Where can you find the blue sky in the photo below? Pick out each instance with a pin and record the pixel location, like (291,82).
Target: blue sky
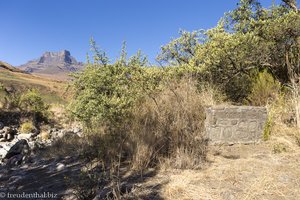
(31,27)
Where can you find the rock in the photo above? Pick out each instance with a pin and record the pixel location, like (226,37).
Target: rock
(9,133)
(10,136)
(15,160)
(77,130)
(3,152)
(53,130)
(32,144)
(7,129)
(60,167)
(53,63)
(21,147)
(35,132)
(24,136)
(61,134)
(1,125)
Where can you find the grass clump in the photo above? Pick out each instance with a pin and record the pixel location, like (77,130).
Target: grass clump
(279,148)
(27,127)
(170,128)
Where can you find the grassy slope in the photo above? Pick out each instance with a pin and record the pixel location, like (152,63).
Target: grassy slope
(52,90)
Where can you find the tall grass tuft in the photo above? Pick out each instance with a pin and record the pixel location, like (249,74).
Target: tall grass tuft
(170,128)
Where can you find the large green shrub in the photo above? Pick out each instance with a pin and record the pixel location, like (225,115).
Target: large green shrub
(106,93)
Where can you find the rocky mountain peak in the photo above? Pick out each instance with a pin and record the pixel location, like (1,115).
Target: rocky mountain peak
(53,63)
(61,57)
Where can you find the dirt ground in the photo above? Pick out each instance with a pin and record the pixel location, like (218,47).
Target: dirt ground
(269,170)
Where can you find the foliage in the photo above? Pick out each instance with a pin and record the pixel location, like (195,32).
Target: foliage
(32,101)
(11,97)
(45,135)
(265,89)
(27,127)
(107,92)
(268,128)
(227,60)
(279,148)
(243,18)
(155,113)
(180,50)
(247,40)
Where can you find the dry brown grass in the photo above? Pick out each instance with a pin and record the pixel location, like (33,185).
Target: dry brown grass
(169,128)
(257,174)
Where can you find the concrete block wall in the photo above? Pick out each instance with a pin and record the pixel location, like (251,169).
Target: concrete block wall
(235,124)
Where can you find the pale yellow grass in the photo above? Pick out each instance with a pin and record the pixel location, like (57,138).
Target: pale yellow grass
(240,172)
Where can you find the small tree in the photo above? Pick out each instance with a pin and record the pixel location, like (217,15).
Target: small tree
(106,92)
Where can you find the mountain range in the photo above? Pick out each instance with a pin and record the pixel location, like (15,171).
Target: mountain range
(57,65)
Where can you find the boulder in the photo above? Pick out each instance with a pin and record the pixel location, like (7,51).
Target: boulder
(15,160)
(7,129)
(3,152)
(8,133)
(10,136)
(25,136)
(5,147)
(19,148)
(60,167)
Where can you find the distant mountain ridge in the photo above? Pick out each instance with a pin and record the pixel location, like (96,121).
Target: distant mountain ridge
(58,64)
(6,66)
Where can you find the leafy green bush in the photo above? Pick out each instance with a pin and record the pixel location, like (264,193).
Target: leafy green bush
(106,93)
(32,102)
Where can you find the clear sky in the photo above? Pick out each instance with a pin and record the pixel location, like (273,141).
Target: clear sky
(30,27)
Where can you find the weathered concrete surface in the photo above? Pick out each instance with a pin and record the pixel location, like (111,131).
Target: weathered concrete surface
(235,124)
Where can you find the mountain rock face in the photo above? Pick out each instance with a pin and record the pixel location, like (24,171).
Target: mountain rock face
(58,64)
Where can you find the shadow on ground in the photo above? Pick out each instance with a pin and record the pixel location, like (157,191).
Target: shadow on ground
(48,177)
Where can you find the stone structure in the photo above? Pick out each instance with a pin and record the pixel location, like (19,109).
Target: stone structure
(235,124)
